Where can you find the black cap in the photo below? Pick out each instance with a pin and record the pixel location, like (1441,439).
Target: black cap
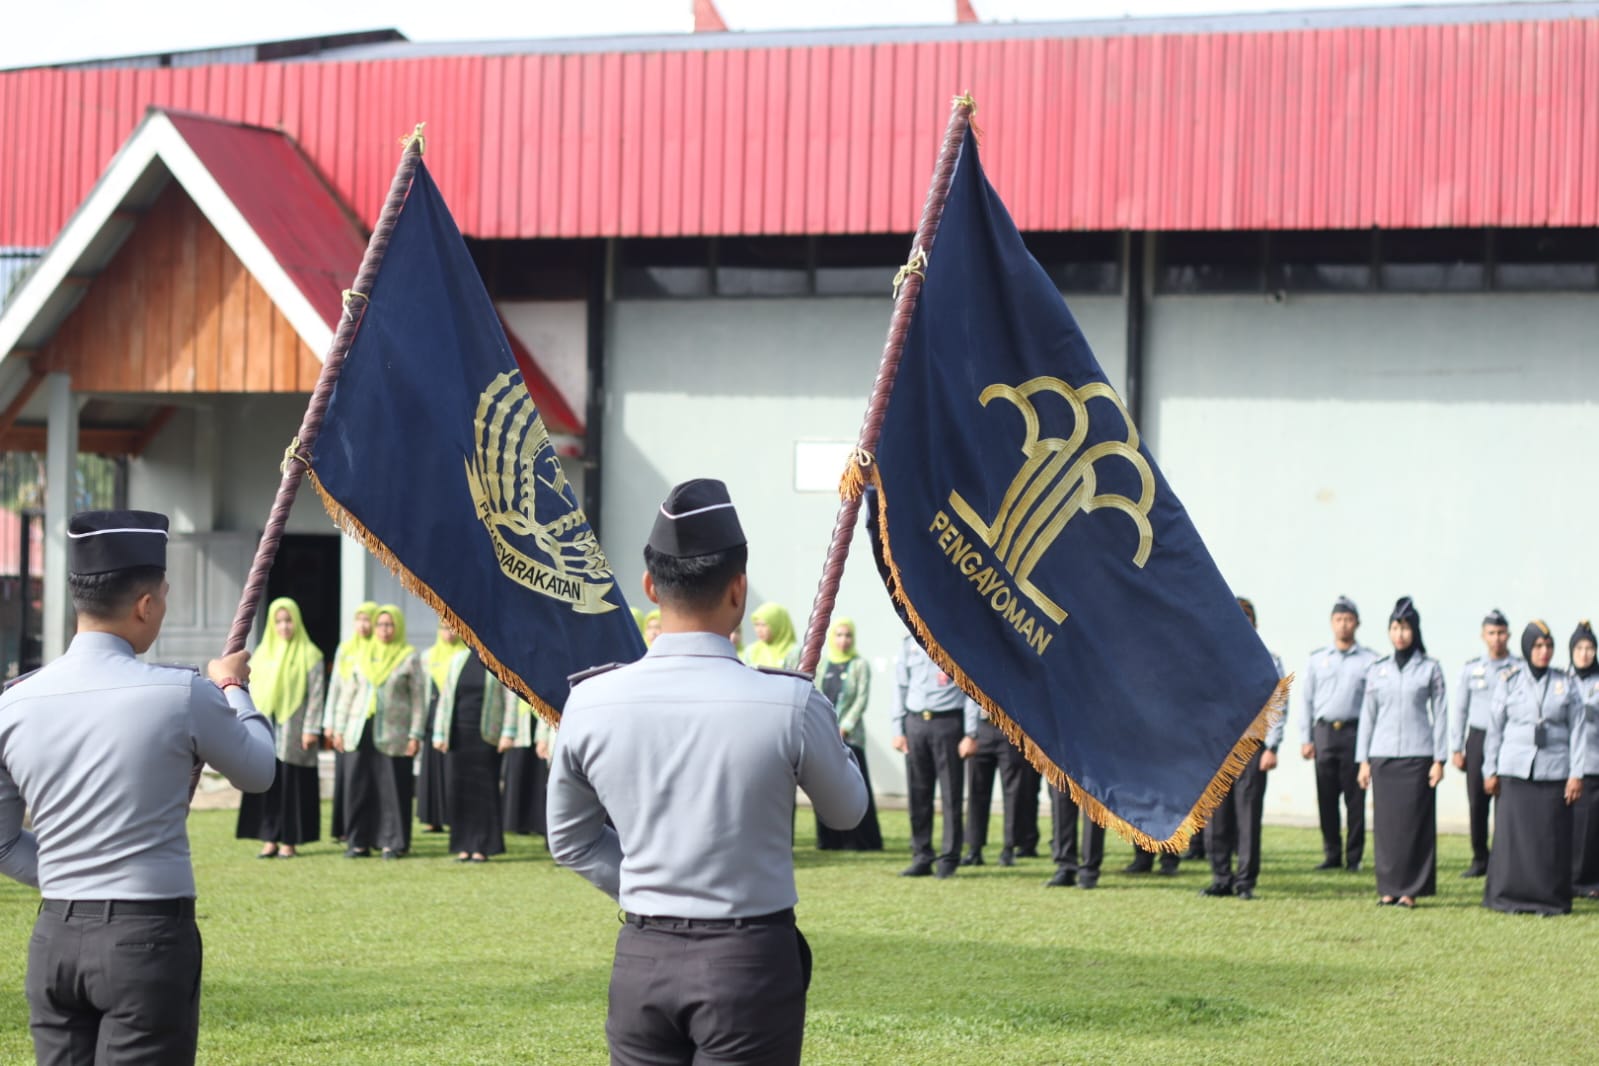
(1584,631)
(697,519)
(103,541)
(1496,617)
(1345,605)
(1405,611)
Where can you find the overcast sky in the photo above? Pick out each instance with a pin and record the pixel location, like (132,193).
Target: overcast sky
(55,31)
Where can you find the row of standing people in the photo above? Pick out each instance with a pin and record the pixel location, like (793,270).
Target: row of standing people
(1522,730)
(381,703)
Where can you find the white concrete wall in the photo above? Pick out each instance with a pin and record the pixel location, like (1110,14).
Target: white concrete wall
(1432,446)
(724,388)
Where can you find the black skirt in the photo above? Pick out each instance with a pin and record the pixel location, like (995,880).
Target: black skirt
(525,775)
(432,800)
(1529,868)
(472,788)
(1405,811)
(336,824)
(1585,839)
(868,836)
(290,812)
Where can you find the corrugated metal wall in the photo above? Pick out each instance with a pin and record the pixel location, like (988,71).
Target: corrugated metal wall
(1414,126)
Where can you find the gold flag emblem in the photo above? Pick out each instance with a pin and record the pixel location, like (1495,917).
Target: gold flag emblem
(541,537)
(1057,482)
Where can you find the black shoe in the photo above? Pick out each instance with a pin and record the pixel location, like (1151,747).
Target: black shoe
(1006,858)
(945,870)
(1329,864)
(1137,867)
(972,858)
(1088,880)
(1215,889)
(918,869)
(1353,867)
(433,829)
(1027,853)
(1476,869)
(357,853)
(389,855)
(1167,871)
(1064,878)
(1244,893)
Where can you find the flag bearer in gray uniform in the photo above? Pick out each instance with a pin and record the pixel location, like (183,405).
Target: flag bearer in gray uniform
(98,746)
(1469,725)
(935,727)
(1334,685)
(695,757)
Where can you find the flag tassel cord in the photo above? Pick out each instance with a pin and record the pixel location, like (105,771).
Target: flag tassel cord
(856,478)
(907,285)
(356,529)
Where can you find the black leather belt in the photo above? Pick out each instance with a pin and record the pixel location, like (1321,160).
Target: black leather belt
(106,908)
(1339,723)
(658,921)
(928,716)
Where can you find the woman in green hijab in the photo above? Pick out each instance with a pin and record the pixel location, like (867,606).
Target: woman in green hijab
(345,657)
(380,726)
(774,637)
(652,626)
(432,809)
(286,683)
(846,680)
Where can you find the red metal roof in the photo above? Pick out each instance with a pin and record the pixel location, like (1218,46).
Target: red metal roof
(285,202)
(1393,126)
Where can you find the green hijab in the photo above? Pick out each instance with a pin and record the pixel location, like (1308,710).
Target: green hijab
(280,670)
(833,654)
(779,637)
(438,658)
(383,659)
(638,619)
(353,651)
(653,616)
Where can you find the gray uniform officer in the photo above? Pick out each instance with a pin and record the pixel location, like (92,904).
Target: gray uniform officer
(695,757)
(935,726)
(98,746)
(1334,685)
(1468,726)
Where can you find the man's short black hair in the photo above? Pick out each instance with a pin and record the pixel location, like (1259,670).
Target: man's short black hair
(113,594)
(695,581)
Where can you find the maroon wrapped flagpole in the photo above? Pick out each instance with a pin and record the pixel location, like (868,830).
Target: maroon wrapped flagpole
(297,458)
(908,285)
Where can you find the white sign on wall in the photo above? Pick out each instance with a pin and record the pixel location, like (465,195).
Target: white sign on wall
(818,464)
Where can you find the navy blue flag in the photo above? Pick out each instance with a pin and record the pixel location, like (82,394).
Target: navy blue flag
(1035,550)
(434,455)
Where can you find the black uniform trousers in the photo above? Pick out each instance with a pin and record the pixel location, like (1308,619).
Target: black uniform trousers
(1337,777)
(706,992)
(1018,787)
(1234,827)
(114,989)
(1477,800)
(934,759)
(1084,862)
(378,791)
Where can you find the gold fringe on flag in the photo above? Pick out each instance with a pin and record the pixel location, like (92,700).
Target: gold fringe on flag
(352,525)
(1236,762)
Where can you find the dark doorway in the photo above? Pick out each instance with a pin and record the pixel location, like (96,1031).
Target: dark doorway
(307,571)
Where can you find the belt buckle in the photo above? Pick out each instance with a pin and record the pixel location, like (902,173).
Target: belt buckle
(927,716)
(1337,725)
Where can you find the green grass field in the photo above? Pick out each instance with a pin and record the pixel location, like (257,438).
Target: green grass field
(325,960)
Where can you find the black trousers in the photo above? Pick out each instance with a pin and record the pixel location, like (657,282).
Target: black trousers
(934,758)
(1018,788)
(1064,837)
(1234,828)
(1337,777)
(378,790)
(114,990)
(689,995)
(1477,801)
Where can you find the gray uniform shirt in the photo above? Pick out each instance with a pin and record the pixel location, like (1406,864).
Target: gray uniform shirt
(1274,733)
(99,747)
(1588,691)
(1475,696)
(1404,714)
(695,757)
(917,677)
(1520,702)
(1335,683)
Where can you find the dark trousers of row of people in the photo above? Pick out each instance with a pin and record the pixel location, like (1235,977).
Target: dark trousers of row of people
(997,756)
(378,792)
(1338,780)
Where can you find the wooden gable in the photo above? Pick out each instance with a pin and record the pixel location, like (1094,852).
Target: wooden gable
(175,311)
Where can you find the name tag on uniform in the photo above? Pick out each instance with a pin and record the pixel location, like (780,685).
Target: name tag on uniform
(1382,671)
(1479,672)
(1560,688)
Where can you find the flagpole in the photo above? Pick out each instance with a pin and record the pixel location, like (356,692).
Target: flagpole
(297,458)
(908,285)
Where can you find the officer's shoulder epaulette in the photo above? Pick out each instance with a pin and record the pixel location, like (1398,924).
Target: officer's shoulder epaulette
(780,672)
(1384,659)
(1474,660)
(19,679)
(593,671)
(1510,670)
